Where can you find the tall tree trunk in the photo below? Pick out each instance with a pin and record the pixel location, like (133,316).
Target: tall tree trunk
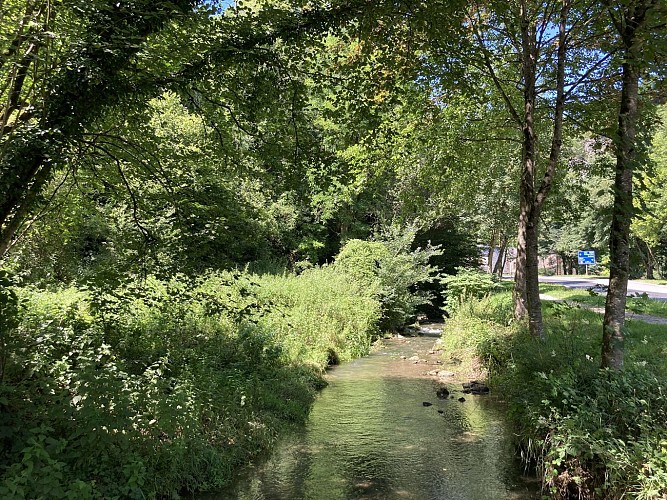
(619,245)
(519,294)
(502,252)
(531,20)
(524,257)
(628,22)
(535,323)
(531,202)
(646,256)
(650,262)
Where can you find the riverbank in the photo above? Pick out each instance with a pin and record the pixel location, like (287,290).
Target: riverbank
(166,386)
(590,433)
(145,387)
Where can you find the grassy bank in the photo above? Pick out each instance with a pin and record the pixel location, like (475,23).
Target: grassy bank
(157,387)
(591,433)
(638,304)
(654,281)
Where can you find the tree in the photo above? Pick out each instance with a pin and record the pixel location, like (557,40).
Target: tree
(635,22)
(650,225)
(64,64)
(245,37)
(577,216)
(538,37)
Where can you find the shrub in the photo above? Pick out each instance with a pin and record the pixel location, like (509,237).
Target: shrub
(592,433)
(468,284)
(159,400)
(320,316)
(601,436)
(390,270)
(483,329)
(160,386)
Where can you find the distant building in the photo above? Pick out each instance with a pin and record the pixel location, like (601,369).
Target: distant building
(551,264)
(508,262)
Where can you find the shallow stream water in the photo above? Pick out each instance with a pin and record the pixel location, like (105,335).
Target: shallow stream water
(370,436)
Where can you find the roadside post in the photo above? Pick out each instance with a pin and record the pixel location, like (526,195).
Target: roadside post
(586,257)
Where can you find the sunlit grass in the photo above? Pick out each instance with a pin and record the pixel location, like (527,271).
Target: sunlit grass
(646,345)
(570,417)
(653,282)
(638,305)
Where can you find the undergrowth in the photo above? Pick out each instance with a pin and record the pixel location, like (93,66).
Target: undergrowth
(591,433)
(159,387)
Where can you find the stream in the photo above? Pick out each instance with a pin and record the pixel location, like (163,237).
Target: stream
(371,436)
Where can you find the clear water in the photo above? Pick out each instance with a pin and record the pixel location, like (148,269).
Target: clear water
(369,436)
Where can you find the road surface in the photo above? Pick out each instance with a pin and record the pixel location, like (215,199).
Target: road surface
(658,292)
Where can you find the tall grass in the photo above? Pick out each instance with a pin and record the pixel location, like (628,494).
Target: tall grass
(163,386)
(591,433)
(320,316)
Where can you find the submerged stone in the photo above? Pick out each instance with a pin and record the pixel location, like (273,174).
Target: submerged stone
(442,393)
(475,387)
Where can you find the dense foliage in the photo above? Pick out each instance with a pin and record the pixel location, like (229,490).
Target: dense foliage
(347,155)
(467,284)
(156,387)
(591,433)
(391,271)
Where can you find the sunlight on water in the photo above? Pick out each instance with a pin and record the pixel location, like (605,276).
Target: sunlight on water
(369,436)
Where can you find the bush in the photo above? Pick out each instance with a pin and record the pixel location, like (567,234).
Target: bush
(362,260)
(160,386)
(320,316)
(390,270)
(468,284)
(458,248)
(604,436)
(592,433)
(483,330)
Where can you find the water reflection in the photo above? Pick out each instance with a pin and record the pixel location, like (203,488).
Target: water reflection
(370,437)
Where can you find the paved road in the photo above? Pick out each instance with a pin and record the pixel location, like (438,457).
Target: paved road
(658,292)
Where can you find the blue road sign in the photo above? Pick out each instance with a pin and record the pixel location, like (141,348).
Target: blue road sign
(586,257)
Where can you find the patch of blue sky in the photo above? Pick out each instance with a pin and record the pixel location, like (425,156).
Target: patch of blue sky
(217,6)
